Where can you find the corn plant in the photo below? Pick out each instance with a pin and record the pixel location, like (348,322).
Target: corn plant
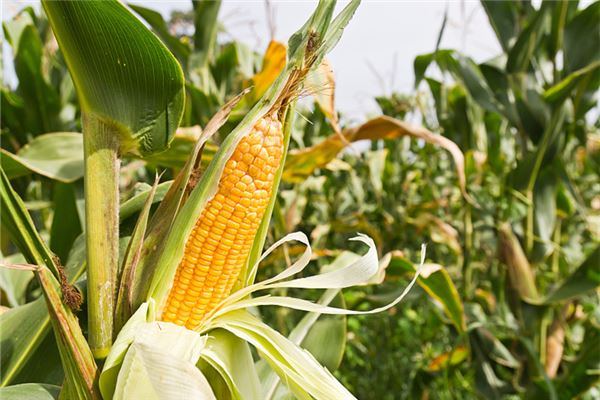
(170,320)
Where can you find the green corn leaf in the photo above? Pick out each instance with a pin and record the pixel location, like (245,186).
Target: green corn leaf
(521,53)
(581,39)
(123,73)
(76,356)
(21,230)
(136,203)
(563,89)
(26,326)
(23,329)
(156,21)
(205,32)
(436,281)
(30,391)
(66,225)
(56,156)
(40,101)
(585,278)
(505,18)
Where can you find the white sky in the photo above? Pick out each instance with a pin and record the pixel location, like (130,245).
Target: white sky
(377,49)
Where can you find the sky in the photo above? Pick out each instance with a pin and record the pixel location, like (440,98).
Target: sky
(375,55)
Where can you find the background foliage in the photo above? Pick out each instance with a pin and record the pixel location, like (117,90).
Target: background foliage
(509,306)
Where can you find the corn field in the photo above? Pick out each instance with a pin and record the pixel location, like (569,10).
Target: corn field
(186,217)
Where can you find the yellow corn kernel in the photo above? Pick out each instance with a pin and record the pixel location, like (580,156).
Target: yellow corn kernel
(218,246)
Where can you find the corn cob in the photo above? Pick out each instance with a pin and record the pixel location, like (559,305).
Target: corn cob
(218,246)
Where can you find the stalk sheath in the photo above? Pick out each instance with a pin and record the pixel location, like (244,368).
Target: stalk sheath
(101,146)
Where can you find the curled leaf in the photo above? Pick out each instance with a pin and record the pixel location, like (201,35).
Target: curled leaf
(301,163)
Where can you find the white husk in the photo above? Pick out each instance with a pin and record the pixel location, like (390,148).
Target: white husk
(157,360)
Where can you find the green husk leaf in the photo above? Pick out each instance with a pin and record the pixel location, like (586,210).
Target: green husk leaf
(114,360)
(129,271)
(311,34)
(154,360)
(295,366)
(231,358)
(163,219)
(160,364)
(519,270)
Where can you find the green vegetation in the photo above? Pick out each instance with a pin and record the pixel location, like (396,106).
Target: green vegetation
(498,173)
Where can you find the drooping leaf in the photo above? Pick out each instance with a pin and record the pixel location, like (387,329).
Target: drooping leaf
(301,163)
(54,155)
(109,51)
